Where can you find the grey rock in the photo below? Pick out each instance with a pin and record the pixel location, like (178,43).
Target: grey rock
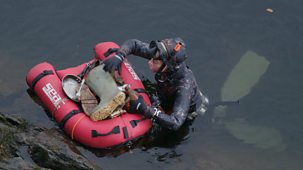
(51,149)
(17,163)
(24,146)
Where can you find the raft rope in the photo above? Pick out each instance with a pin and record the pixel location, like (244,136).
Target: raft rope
(73,129)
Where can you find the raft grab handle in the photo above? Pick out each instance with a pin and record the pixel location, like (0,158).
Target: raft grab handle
(115,130)
(134,123)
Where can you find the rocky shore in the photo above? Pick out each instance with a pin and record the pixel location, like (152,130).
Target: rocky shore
(24,146)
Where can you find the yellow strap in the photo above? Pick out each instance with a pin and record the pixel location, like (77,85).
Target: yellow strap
(76,125)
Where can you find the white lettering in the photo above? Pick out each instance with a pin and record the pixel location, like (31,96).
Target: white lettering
(52,94)
(131,70)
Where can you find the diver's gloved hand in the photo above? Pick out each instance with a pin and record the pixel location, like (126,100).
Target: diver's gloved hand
(113,63)
(139,106)
(155,100)
(110,51)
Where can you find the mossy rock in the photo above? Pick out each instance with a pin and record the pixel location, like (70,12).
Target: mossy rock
(13,121)
(9,126)
(6,142)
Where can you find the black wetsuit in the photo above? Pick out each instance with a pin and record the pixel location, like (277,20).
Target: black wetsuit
(178,92)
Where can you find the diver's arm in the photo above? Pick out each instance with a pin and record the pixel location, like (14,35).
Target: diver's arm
(132,46)
(180,110)
(173,121)
(136,47)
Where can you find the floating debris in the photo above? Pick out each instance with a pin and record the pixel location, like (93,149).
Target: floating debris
(269,10)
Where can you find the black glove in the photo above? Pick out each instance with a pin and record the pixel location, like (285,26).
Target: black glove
(110,51)
(139,106)
(113,63)
(155,100)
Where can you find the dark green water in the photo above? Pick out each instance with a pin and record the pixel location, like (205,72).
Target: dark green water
(263,132)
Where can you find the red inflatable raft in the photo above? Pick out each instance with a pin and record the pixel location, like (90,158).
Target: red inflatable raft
(45,81)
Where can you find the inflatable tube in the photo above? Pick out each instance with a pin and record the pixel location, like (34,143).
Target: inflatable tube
(45,81)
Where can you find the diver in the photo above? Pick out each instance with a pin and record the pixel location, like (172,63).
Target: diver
(179,95)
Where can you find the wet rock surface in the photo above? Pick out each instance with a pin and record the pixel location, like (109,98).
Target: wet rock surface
(24,146)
